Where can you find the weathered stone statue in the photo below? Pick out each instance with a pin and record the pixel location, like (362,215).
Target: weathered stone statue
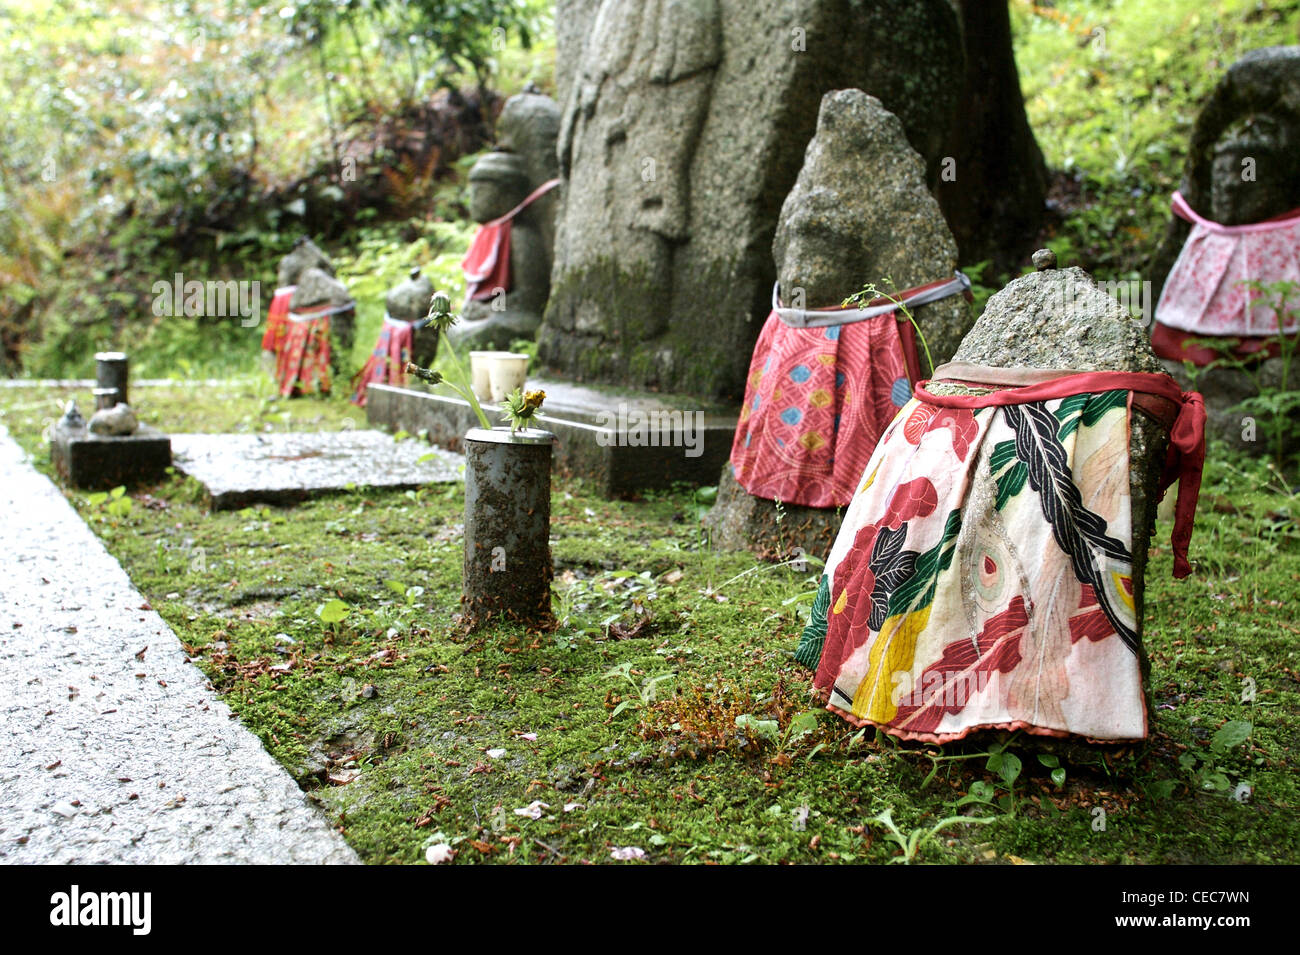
(1231,224)
(403,337)
(818,398)
(989,574)
(508,266)
(683,129)
(319,291)
(529,127)
(304,255)
(112,448)
(307,294)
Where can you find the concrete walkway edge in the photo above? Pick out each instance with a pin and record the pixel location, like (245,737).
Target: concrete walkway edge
(110,757)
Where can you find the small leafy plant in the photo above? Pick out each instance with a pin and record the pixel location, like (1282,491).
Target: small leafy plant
(912,841)
(646,692)
(1206,771)
(112,504)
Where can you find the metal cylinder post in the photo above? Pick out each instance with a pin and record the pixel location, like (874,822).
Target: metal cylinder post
(111,371)
(507,568)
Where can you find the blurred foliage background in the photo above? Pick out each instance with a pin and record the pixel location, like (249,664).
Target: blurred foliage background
(144,138)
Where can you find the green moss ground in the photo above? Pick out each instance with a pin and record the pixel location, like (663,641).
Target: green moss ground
(408,763)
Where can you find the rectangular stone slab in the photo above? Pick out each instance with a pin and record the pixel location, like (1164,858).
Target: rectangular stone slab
(95,461)
(280,468)
(622,442)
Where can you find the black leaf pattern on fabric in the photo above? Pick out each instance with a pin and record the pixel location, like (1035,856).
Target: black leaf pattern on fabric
(891,566)
(1078,531)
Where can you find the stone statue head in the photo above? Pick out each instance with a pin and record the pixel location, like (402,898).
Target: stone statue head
(409,300)
(1256,171)
(304,255)
(860,210)
(497,183)
(1243,164)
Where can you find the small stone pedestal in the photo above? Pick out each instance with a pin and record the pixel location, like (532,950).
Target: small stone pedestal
(97,462)
(507,567)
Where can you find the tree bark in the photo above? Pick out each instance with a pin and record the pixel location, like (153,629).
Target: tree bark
(993,180)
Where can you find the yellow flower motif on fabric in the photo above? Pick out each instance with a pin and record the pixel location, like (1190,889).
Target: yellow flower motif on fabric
(755,378)
(1123,586)
(811,440)
(841,602)
(871,479)
(826,358)
(776,394)
(893,651)
(819,398)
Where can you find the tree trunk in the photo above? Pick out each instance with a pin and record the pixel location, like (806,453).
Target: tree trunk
(992,181)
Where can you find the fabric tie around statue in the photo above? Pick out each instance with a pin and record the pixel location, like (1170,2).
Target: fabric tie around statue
(487,263)
(277,320)
(1207,294)
(823,385)
(387,363)
(304,360)
(982,578)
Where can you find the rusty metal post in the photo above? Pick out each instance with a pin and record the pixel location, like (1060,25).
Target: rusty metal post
(507,569)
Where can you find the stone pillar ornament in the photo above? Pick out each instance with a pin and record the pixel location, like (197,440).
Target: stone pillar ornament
(507,564)
(112,368)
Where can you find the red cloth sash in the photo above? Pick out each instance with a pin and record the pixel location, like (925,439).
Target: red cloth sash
(816,402)
(387,363)
(487,263)
(304,359)
(1186,410)
(277,317)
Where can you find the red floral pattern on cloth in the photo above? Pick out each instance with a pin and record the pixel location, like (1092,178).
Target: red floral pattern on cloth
(277,320)
(304,360)
(816,403)
(982,576)
(1205,295)
(387,363)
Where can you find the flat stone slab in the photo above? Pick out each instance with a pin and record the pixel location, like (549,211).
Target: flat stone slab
(117,749)
(620,441)
(239,469)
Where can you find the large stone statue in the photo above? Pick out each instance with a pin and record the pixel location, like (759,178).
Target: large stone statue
(818,398)
(683,129)
(508,305)
(1243,170)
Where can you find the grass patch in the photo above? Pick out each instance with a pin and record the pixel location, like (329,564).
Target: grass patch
(665,712)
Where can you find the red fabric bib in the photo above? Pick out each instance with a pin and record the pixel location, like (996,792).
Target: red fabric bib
(487,263)
(1205,295)
(387,363)
(816,402)
(277,317)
